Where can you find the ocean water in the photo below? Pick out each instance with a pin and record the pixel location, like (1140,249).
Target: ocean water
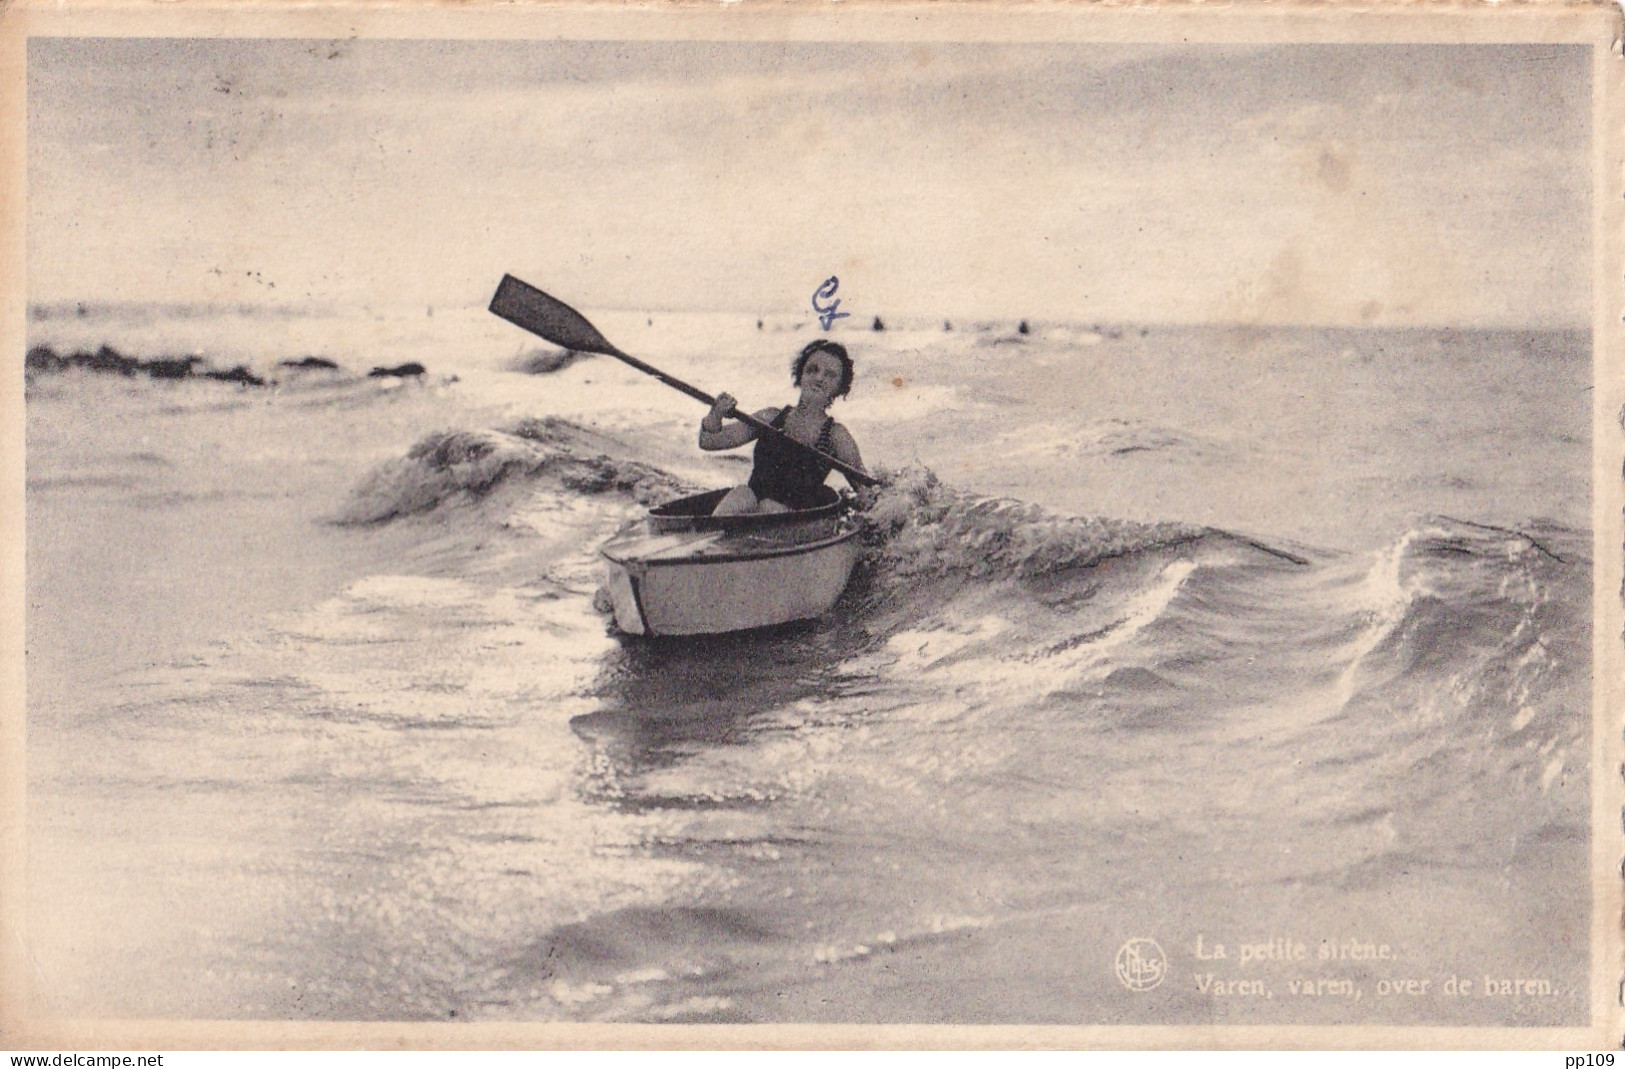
(1270,646)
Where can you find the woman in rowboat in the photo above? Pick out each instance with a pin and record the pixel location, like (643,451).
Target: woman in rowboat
(786,478)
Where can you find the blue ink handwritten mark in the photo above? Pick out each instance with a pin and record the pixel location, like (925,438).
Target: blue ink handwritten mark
(827,313)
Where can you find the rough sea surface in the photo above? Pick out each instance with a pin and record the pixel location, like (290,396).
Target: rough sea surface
(1269,646)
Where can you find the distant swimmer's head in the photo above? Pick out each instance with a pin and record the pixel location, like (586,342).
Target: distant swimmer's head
(823,351)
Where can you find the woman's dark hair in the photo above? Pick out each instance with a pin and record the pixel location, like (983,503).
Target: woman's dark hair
(833,348)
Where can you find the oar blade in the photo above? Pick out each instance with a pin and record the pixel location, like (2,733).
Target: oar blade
(548,318)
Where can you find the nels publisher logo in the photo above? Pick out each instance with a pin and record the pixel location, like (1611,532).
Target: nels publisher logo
(1141,964)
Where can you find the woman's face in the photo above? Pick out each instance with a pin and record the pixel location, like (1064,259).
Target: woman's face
(821,376)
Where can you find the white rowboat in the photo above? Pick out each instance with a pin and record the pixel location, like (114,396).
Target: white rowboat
(683,571)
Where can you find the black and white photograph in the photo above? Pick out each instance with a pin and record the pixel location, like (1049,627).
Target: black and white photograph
(768,517)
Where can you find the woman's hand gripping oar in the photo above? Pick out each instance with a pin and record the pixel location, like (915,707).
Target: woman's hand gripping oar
(554,321)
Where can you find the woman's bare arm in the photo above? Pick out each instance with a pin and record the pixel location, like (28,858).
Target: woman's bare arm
(846,450)
(714,434)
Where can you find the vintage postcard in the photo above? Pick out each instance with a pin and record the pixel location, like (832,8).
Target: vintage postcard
(816,524)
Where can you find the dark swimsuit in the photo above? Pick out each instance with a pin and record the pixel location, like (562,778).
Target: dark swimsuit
(789,474)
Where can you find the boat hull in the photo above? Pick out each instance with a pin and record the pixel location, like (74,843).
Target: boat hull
(716,577)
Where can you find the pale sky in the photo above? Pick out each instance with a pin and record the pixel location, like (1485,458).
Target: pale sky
(1391,185)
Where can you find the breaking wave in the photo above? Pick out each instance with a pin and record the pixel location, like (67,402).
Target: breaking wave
(1455,626)
(1488,633)
(452,466)
(923,526)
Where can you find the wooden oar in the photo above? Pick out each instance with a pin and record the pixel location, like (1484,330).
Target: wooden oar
(552,320)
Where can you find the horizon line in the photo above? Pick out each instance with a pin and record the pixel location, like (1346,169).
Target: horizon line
(53,306)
